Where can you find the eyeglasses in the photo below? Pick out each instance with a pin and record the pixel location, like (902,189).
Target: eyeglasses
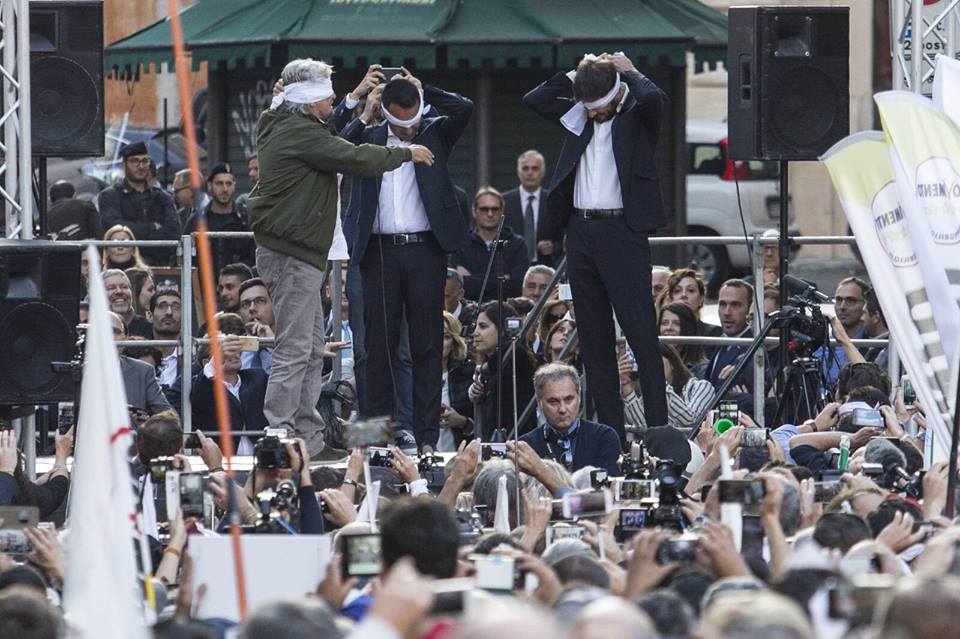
(168,306)
(257,301)
(847,301)
(139,161)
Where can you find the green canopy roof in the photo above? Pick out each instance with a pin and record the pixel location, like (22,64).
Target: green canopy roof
(431,34)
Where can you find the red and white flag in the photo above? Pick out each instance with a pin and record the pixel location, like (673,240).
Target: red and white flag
(101,594)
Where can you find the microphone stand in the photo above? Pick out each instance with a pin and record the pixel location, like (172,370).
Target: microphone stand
(516,426)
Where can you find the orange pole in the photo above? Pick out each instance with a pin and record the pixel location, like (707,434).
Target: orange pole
(209,298)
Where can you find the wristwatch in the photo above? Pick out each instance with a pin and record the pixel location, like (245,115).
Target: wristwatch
(349,482)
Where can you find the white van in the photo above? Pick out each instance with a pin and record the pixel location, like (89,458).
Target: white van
(712,208)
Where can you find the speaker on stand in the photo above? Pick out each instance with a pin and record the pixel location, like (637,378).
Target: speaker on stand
(788,92)
(66,84)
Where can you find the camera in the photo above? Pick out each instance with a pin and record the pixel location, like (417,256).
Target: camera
(470,526)
(748,492)
(13,541)
(680,549)
(728,410)
(637,489)
(754,438)
(490,451)
(866,417)
(431,468)
(563,530)
(192,487)
(824,491)
(631,521)
(586,504)
(634,464)
(599,479)
(361,555)
(377,431)
(379,457)
(497,573)
(669,476)
(512,326)
(269,451)
(159,467)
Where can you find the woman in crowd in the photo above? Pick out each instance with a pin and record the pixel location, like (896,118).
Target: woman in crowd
(483,390)
(687,397)
(143,288)
(552,312)
(557,338)
(687,286)
(677,320)
(122,257)
(456,408)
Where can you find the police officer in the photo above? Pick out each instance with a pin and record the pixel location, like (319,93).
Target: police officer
(147,210)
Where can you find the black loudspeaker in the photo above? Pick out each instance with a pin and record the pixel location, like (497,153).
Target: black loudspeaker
(788,93)
(39,311)
(66,77)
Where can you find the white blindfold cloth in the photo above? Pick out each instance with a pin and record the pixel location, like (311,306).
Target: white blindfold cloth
(395,121)
(305,92)
(575,119)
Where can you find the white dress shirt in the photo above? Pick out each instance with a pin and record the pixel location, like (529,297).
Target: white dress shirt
(169,367)
(401,207)
(597,184)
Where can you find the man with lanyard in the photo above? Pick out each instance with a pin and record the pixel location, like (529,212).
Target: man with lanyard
(406,222)
(563,435)
(606,194)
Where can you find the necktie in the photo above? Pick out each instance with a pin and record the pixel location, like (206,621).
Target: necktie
(257,361)
(529,231)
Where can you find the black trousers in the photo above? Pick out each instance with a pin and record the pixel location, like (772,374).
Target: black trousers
(608,264)
(396,280)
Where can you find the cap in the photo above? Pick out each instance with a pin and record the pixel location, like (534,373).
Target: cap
(218,169)
(134,148)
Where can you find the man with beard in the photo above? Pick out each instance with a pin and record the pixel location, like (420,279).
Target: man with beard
(165,311)
(256,309)
(120,297)
(147,210)
(228,286)
(223,215)
(849,303)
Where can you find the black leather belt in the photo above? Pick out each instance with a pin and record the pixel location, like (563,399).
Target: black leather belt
(402,239)
(595,214)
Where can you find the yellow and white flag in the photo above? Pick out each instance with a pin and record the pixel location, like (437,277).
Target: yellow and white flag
(862,174)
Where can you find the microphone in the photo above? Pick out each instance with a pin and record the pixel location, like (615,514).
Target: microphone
(796,286)
(881,451)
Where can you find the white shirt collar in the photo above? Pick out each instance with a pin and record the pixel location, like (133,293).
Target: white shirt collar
(525,194)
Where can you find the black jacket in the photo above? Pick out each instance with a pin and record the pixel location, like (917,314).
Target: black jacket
(141,212)
(514,206)
(475,257)
(226,250)
(485,409)
(593,445)
(439,134)
(459,379)
(245,413)
(635,131)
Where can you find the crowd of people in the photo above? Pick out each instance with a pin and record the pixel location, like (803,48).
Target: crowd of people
(586,484)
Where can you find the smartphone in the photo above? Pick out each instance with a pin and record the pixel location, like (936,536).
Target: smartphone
(599,478)
(379,457)
(389,72)
(249,344)
(491,451)
(728,410)
(13,521)
(926,526)
(361,555)
(754,438)
(191,488)
(636,489)
(857,600)
(496,573)
(909,395)
(704,492)
(191,440)
(450,595)
(634,519)
(680,549)
(377,431)
(824,491)
(751,540)
(586,504)
(867,417)
(564,530)
(748,492)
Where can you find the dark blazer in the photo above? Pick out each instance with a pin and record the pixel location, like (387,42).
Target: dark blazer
(485,409)
(246,413)
(475,256)
(594,445)
(459,379)
(635,130)
(439,134)
(513,208)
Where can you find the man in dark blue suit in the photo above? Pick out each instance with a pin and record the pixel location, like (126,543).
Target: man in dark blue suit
(526,205)
(406,222)
(606,194)
(564,436)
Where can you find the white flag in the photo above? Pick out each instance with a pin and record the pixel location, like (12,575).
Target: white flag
(501,516)
(101,593)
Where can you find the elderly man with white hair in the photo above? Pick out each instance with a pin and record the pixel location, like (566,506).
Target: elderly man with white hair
(293,210)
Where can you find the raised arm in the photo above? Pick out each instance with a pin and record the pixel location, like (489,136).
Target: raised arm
(553,98)
(457,110)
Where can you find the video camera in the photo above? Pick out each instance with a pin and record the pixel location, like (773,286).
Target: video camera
(270,452)
(272,503)
(431,468)
(669,476)
(808,329)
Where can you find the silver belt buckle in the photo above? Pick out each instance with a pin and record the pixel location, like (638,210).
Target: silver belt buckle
(401,239)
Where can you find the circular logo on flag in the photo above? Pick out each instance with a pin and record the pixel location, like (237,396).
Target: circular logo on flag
(891,227)
(938,191)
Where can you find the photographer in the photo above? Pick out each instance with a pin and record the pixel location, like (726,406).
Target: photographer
(49,491)
(484,390)
(687,397)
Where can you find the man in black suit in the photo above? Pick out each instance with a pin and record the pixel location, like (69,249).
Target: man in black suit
(526,205)
(733,306)
(606,195)
(565,437)
(407,221)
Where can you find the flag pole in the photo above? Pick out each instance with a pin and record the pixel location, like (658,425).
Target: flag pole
(209,298)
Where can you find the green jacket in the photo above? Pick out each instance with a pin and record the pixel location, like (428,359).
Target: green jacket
(293,207)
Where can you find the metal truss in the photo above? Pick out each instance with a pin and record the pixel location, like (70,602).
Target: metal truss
(16,169)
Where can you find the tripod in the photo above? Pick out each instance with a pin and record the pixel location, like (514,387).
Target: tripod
(800,395)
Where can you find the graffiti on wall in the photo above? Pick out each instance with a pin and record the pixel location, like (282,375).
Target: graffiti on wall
(251,101)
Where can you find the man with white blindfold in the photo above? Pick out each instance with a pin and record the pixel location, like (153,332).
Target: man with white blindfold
(293,210)
(407,222)
(606,194)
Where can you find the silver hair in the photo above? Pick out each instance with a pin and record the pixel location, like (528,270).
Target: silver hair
(303,70)
(531,153)
(110,272)
(486,484)
(538,268)
(554,373)
(453,274)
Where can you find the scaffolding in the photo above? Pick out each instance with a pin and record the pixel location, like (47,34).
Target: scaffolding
(16,170)
(937,35)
